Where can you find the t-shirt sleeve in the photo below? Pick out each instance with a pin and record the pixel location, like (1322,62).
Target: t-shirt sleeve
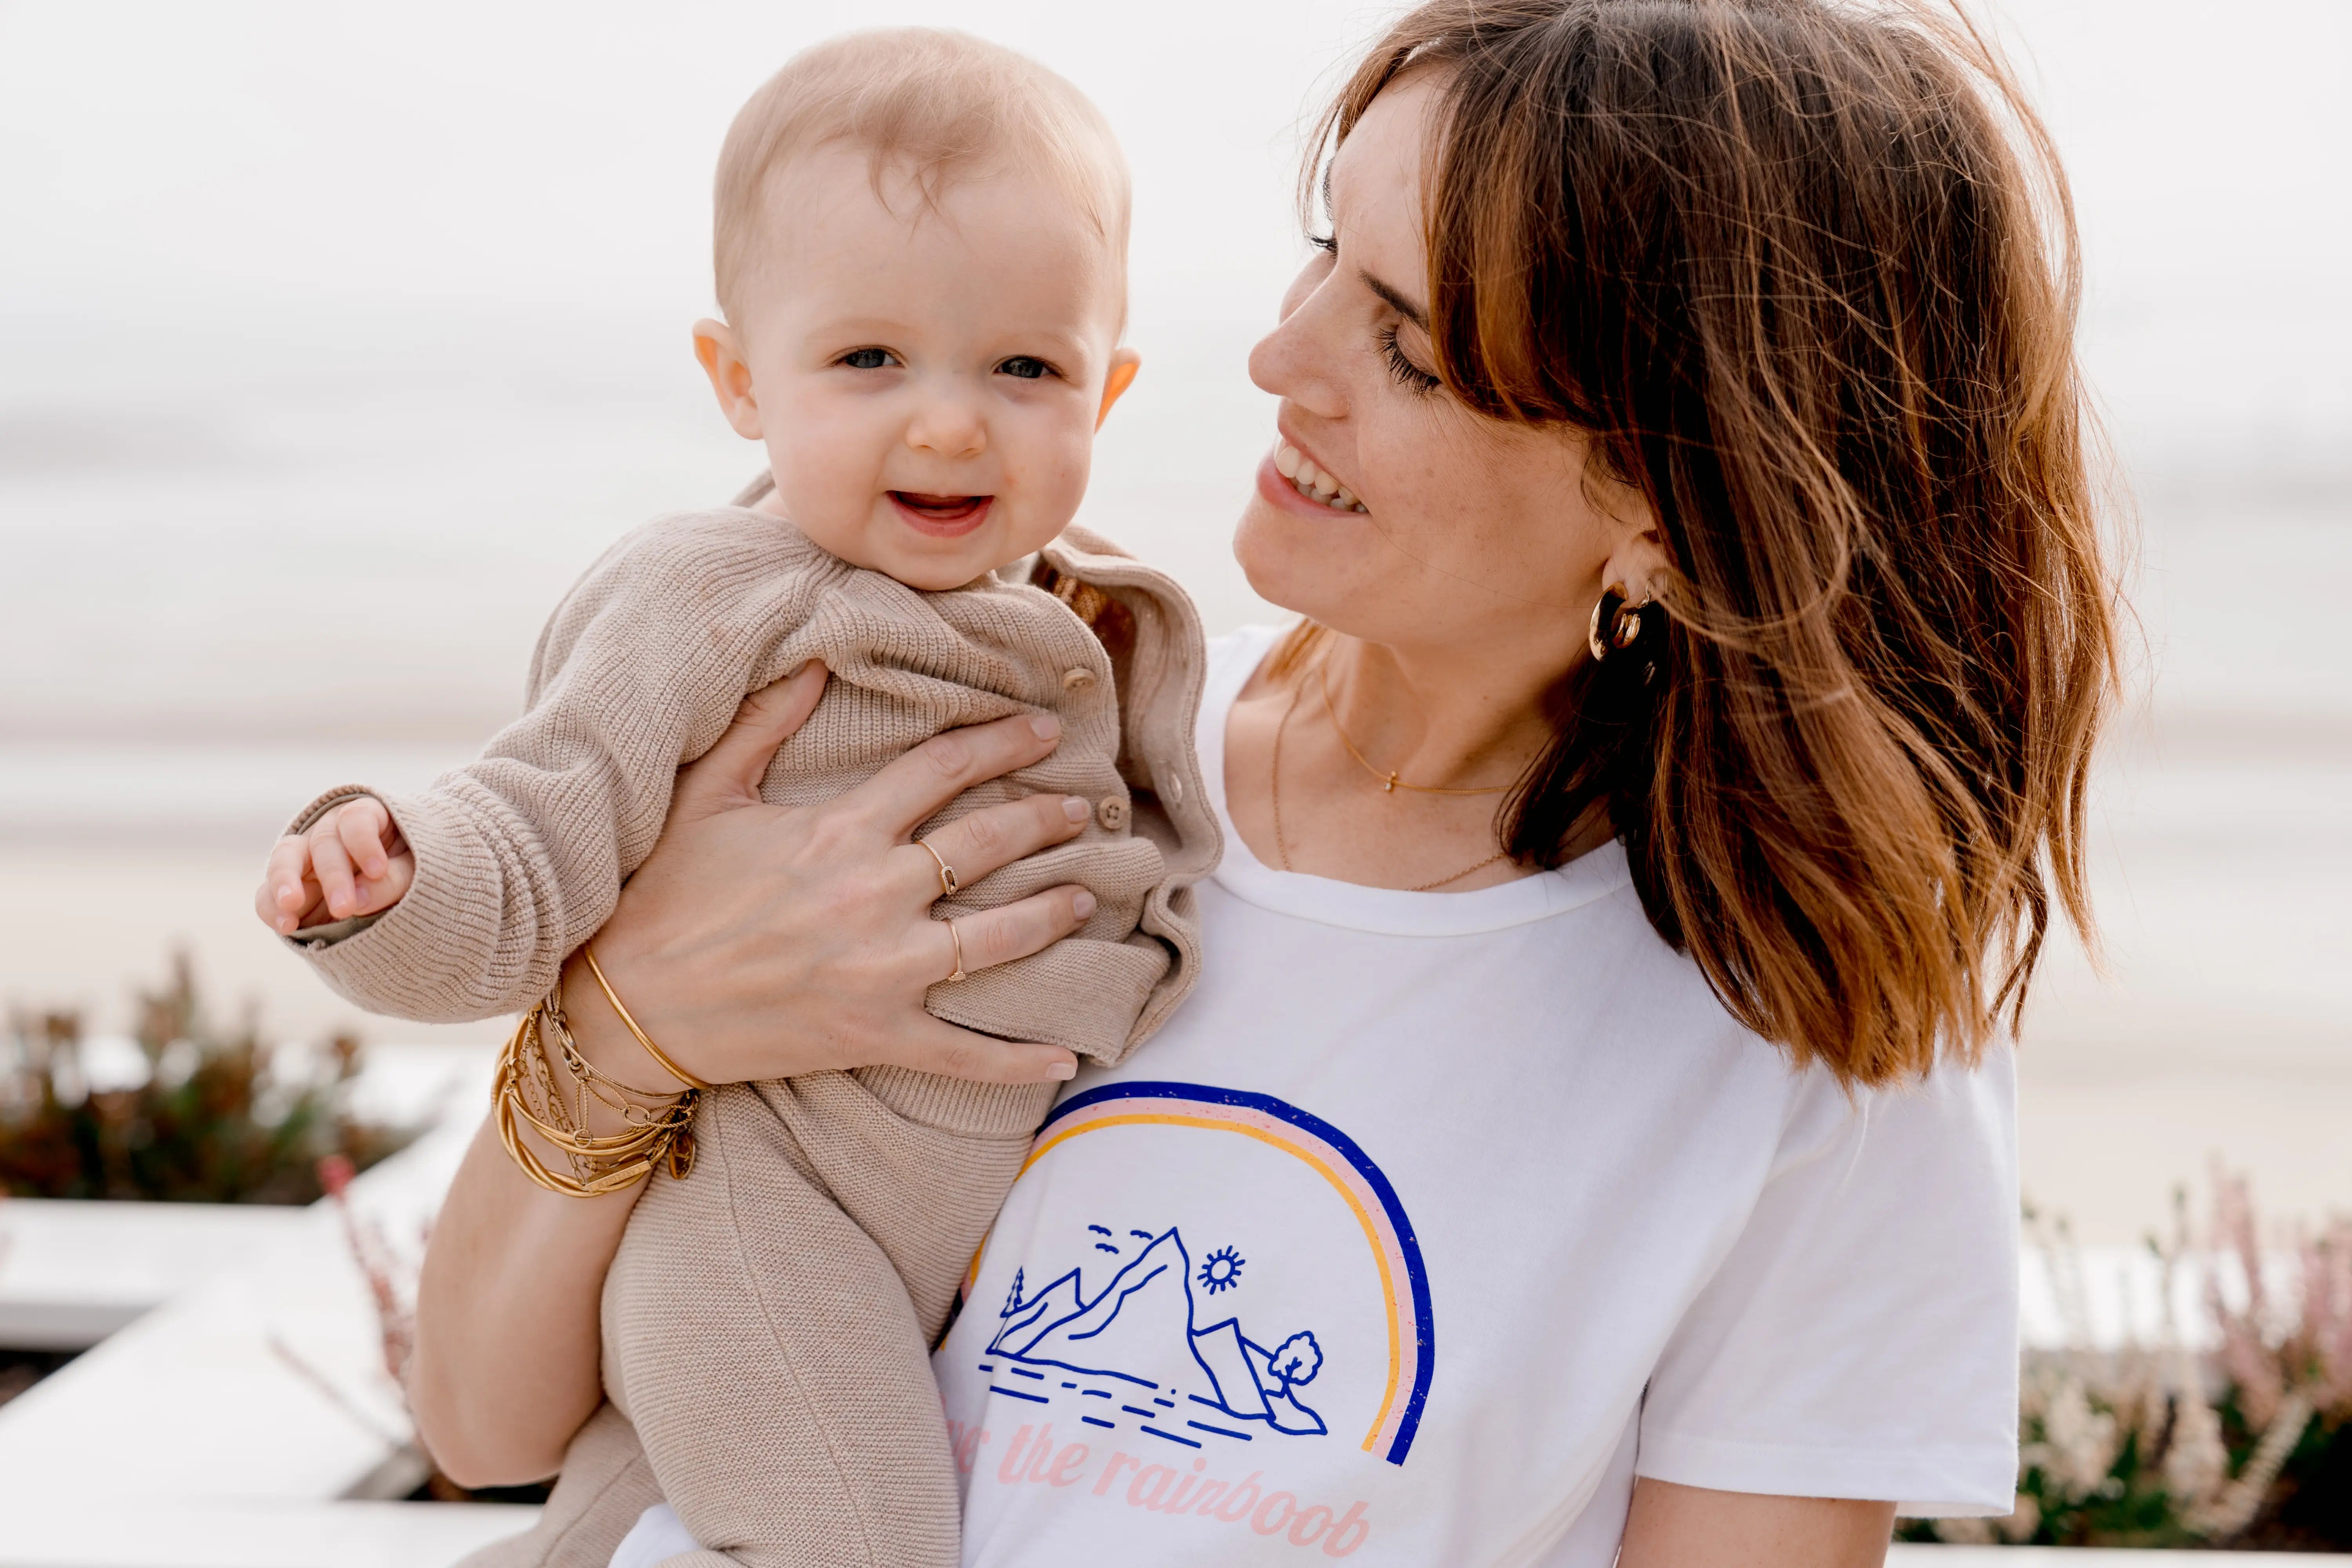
(1859,1338)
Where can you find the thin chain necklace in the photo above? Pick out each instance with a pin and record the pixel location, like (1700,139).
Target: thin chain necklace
(1389,783)
(1282,845)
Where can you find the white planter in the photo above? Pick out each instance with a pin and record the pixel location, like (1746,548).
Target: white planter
(237,1394)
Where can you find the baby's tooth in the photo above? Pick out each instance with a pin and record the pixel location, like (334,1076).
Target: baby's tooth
(1285,461)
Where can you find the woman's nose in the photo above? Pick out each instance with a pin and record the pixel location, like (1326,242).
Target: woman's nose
(1293,364)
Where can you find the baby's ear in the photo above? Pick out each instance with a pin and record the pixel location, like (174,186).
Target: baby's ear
(721,354)
(1124,364)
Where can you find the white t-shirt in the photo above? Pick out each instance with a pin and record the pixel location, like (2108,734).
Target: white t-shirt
(1432,1219)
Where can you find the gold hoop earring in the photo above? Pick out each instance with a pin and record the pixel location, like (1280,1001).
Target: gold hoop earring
(1623,620)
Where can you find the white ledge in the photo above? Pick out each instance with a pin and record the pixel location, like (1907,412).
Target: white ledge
(248,1391)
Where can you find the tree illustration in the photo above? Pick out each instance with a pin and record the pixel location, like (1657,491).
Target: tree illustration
(1013,1302)
(1297,1361)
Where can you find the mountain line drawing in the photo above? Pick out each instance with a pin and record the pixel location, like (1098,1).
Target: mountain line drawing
(1142,1329)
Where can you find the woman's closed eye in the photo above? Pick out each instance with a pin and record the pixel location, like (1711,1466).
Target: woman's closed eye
(1026,368)
(1409,375)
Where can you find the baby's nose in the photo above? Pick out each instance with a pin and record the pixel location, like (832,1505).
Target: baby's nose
(949,428)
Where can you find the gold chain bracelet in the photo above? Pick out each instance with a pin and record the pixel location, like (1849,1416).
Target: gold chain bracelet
(529,1090)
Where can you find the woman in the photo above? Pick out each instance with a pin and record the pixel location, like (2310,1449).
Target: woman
(1679,471)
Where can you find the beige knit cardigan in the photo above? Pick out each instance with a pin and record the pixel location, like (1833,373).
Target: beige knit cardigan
(766,1318)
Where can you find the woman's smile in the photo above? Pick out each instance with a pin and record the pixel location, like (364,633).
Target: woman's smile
(1290,477)
(1312,481)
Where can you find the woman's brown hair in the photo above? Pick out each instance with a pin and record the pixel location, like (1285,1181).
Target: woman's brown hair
(1804,274)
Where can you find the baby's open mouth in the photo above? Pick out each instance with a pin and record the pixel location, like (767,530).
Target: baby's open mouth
(942,515)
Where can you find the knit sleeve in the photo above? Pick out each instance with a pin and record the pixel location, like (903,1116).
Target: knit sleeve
(520,854)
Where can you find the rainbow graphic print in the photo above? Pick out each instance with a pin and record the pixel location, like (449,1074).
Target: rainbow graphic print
(1117,1342)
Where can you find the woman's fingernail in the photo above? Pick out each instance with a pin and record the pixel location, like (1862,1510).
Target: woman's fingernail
(1062,1072)
(1076,810)
(1044,726)
(1083,903)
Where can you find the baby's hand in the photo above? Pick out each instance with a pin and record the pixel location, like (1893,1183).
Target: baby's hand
(352,861)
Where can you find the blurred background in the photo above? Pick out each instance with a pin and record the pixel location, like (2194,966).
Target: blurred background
(335,340)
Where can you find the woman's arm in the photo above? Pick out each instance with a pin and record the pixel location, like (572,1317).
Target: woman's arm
(757,941)
(1676,1526)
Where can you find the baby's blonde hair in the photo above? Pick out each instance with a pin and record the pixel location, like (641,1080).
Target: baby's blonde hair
(939,105)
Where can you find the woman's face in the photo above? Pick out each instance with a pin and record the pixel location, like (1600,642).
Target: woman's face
(1464,533)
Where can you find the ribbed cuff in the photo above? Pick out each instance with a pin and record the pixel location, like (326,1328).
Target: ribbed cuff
(961,1105)
(415,959)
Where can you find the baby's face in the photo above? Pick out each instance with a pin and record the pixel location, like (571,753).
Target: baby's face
(927,380)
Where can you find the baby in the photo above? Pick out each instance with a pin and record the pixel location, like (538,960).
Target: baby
(921,256)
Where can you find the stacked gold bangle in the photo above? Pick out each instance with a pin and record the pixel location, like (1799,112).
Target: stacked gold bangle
(528,1089)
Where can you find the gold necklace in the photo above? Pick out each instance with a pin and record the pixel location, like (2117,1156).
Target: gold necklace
(1389,783)
(1282,845)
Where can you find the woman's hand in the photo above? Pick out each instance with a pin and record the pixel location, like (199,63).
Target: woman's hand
(762,942)
(755,942)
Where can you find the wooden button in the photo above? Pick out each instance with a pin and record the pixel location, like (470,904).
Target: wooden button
(1111,812)
(1078,679)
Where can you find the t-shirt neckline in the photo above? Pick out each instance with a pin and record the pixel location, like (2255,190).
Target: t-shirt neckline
(1381,910)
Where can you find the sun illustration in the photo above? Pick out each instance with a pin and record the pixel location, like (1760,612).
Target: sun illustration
(1222,1269)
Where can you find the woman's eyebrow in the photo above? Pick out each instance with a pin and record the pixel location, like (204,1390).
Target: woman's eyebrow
(1397,302)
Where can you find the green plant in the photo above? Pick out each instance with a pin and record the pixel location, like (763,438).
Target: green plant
(214,1122)
(2249,1445)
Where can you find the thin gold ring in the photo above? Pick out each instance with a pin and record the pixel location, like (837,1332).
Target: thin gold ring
(948,886)
(956,937)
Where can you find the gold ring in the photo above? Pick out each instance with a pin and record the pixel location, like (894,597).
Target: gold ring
(949,885)
(956,937)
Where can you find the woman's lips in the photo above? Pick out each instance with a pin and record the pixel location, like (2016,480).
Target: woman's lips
(941,517)
(1312,482)
(1284,492)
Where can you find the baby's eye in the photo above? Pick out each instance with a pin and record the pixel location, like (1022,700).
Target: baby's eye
(1024,367)
(865,359)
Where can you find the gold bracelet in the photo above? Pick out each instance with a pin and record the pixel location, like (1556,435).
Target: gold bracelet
(653,1050)
(600,1164)
(594,1188)
(636,1107)
(658,1131)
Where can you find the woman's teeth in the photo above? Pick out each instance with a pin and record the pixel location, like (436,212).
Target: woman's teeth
(1313,482)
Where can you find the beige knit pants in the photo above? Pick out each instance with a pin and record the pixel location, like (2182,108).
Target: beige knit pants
(766,1325)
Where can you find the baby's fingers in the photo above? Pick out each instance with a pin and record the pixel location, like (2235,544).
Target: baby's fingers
(332,864)
(361,827)
(282,896)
